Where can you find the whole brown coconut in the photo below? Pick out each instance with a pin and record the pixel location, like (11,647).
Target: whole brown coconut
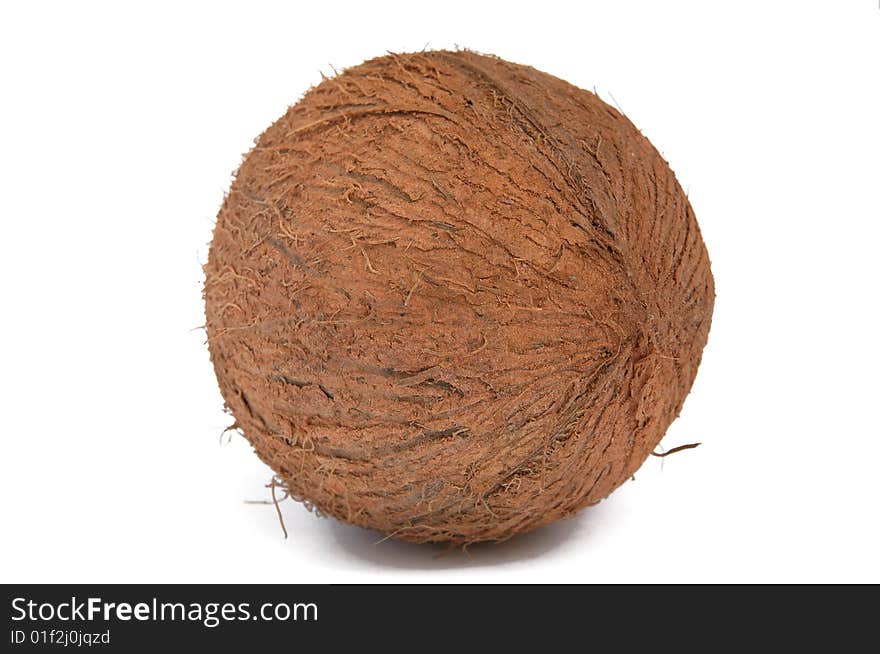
(454,299)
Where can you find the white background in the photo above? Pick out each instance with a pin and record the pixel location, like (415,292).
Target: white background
(119,130)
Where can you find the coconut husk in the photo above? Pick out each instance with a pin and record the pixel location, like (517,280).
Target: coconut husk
(452,298)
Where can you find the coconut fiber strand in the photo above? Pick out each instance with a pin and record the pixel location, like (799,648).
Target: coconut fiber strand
(452,298)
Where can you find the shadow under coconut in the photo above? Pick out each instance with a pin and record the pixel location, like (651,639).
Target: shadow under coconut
(369,546)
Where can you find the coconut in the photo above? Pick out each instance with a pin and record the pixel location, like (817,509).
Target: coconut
(451,298)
